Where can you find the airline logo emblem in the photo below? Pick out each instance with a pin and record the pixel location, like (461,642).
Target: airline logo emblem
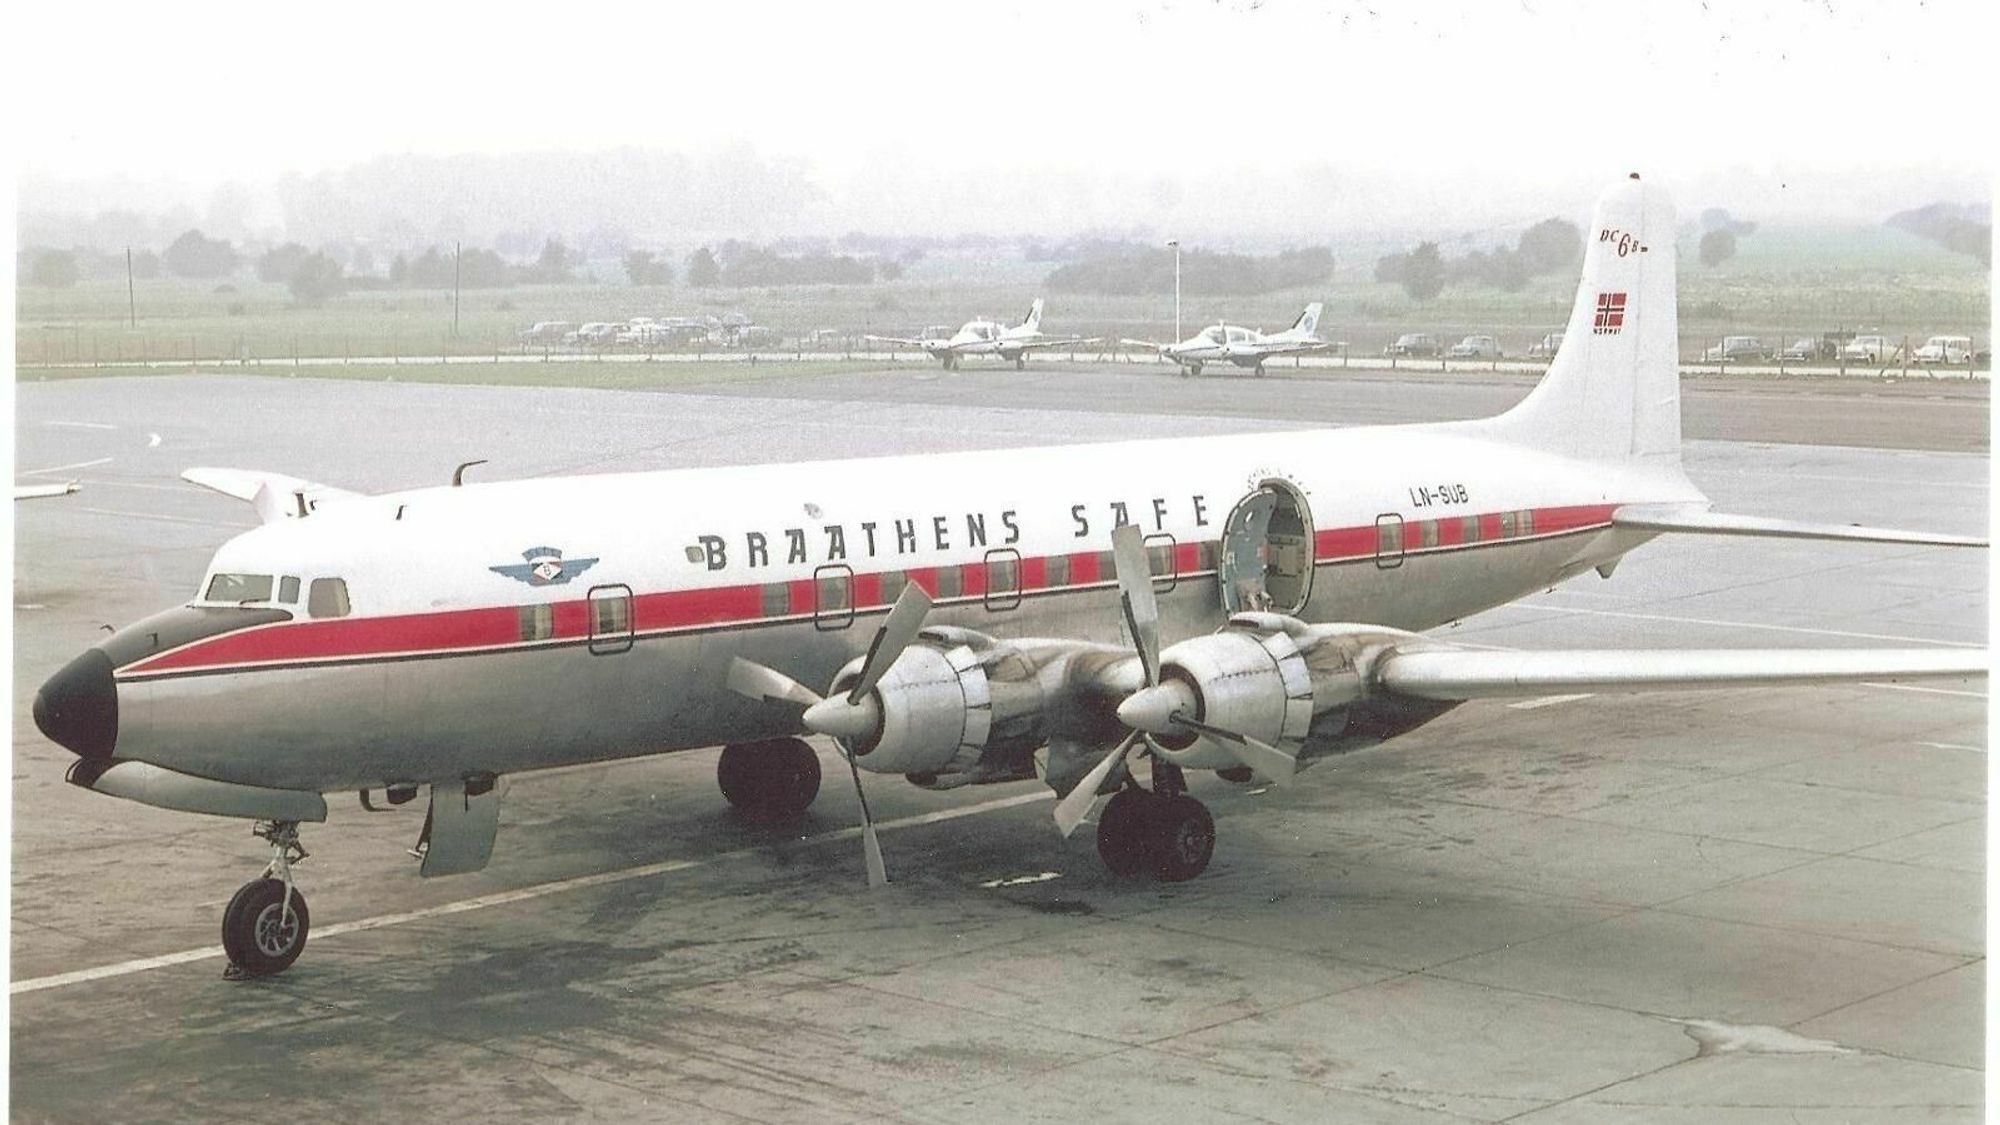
(544,566)
(1610,314)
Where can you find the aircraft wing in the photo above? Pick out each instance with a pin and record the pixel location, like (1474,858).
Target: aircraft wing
(908,343)
(1694,520)
(1049,342)
(43,491)
(1292,347)
(1460,674)
(270,493)
(1158,347)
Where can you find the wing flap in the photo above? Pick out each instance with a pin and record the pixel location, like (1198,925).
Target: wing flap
(1677,518)
(1457,674)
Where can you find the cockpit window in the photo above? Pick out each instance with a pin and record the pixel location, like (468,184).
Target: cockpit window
(327,597)
(288,589)
(1213,335)
(239,588)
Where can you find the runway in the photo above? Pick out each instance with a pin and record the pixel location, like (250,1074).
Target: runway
(1738,905)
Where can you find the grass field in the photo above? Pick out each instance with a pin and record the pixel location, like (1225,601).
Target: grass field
(1783,283)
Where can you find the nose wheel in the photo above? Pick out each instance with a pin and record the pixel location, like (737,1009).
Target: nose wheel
(265,925)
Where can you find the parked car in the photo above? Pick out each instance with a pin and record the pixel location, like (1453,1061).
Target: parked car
(1869,349)
(1805,349)
(1476,347)
(546,333)
(597,334)
(1415,343)
(1738,349)
(1944,349)
(1546,347)
(649,334)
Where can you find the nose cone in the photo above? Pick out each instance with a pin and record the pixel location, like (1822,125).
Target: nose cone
(1152,709)
(851,722)
(78,707)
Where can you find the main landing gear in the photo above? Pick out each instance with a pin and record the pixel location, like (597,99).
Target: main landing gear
(775,779)
(1161,829)
(264,928)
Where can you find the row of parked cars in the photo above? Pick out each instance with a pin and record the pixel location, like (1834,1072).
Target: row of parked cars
(733,330)
(1868,349)
(1864,349)
(1425,345)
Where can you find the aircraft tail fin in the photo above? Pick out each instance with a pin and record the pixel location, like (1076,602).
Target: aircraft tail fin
(1308,321)
(1612,392)
(1033,321)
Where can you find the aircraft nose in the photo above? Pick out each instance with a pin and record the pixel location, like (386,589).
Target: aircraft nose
(78,707)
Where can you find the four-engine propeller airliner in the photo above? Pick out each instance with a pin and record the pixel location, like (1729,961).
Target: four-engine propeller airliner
(987,337)
(1244,347)
(1103,617)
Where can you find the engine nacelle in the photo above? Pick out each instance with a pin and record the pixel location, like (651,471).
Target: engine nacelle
(950,707)
(1251,682)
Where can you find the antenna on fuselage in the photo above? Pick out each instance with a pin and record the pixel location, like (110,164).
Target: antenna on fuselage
(458,474)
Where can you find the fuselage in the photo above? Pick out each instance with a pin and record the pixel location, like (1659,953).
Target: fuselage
(520,625)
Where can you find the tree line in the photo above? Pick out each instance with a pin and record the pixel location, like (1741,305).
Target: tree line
(1550,246)
(1126,269)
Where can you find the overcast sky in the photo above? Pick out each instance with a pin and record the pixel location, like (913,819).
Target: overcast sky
(1464,96)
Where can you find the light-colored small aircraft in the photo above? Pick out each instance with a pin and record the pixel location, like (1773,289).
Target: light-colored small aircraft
(1244,347)
(988,337)
(1102,617)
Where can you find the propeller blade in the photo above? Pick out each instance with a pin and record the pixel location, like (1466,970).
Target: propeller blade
(1271,763)
(905,621)
(1071,810)
(1135,590)
(759,682)
(871,847)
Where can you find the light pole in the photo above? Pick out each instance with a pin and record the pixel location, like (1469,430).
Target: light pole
(1176,244)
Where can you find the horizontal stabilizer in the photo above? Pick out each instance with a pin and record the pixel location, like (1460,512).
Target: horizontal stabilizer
(1669,517)
(1455,674)
(274,495)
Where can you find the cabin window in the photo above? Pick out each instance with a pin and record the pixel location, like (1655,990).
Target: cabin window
(1507,525)
(892,583)
(538,622)
(1003,579)
(1388,540)
(239,588)
(775,599)
(327,597)
(1526,521)
(1427,533)
(1055,572)
(833,597)
(950,583)
(1468,530)
(1161,562)
(288,589)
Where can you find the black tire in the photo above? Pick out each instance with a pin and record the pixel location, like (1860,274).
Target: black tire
(779,778)
(1182,839)
(1124,832)
(1195,370)
(254,933)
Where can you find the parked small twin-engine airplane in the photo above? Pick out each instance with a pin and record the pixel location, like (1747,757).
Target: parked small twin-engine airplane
(1106,617)
(987,337)
(1244,347)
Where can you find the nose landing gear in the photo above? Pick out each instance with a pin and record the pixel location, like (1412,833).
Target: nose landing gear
(265,925)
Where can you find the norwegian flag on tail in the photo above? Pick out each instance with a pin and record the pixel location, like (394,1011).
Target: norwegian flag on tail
(1610,314)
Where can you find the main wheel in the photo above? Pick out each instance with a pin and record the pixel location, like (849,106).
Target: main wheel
(1183,839)
(779,778)
(1124,831)
(260,936)
(1020,363)
(1195,370)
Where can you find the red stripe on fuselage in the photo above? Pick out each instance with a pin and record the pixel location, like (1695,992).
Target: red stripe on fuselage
(500,626)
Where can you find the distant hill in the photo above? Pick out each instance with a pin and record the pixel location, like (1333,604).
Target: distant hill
(1962,228)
